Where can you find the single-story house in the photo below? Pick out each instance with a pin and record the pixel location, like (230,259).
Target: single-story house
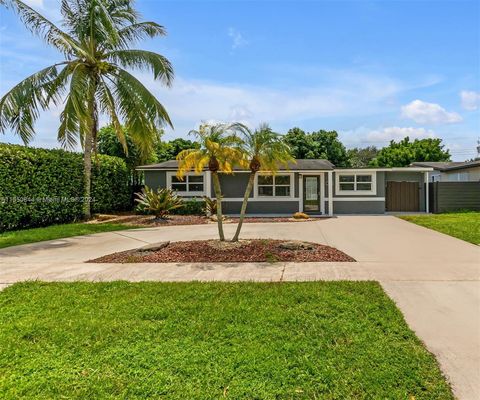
(312,186)
(468,171)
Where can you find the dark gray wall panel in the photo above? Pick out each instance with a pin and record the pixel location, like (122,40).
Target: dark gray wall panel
(358,207)
(234,185)
(155,179)
(261,207)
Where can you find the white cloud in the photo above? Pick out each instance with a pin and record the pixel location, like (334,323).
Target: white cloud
(237,39)
(470,100)
(397,133)
(429,113)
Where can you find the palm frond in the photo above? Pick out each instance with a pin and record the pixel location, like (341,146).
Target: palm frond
(76,118)
(144,60)
(142,114)
(136,32)
(107,106)
(42,27)
(19,108)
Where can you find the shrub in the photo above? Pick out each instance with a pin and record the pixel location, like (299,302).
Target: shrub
(210,206)
(160,202)
(40,187)
(300,215)
(192,207)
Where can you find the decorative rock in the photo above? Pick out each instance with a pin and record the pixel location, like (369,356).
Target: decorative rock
(154,246)
(296,245)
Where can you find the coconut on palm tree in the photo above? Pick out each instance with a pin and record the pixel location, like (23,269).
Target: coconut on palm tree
(263,150)
(92,80)
(219,152)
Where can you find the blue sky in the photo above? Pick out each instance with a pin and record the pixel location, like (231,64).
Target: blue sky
(373,71)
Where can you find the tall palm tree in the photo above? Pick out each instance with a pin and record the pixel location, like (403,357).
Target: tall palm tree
(263,150)
(219,151)
(93,78)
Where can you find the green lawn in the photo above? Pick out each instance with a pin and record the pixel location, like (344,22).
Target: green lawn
(33,235)
(462,225)
(316,340)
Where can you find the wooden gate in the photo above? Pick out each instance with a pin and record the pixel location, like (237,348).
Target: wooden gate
(402,196)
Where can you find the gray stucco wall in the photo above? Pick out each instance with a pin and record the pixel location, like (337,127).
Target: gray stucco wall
(261,207)
(405,176)
(155,179)
(233,185)
(357,207)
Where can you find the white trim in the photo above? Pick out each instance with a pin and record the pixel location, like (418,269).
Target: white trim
(358,199)
(265,199)
(330,193)
(322,189)
(322,193)
(427,192)
(208,183)
(170,174)
(393,169)
(300,192)
(373,183)
(292,185)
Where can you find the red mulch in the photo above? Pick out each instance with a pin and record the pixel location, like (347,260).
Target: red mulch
(255,250)
(149,221)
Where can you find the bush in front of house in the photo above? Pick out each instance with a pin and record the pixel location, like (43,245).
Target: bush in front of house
(40,187)
(159,203)
(192,207)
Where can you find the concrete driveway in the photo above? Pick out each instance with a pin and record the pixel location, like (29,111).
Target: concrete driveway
(433,278)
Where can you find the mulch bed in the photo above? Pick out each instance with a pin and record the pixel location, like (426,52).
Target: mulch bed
(255,250)
(149,221)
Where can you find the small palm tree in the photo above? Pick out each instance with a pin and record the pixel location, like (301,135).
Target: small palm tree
(263,150)
(92,80)
(219,151)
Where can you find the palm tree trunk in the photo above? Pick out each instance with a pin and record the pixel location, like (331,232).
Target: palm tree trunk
(243,210)
(218,196)
(87,163)
(90,137)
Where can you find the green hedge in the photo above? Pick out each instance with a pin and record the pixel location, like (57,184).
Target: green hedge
(40,187)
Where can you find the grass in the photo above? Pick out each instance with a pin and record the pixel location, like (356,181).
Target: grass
(313,340)
(13,238)
(462,225)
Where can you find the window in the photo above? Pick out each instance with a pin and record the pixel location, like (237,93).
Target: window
(356,183)
(274,185)
(191,184)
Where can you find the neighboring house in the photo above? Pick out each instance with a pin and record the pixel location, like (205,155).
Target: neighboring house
(468,171)
(312,186)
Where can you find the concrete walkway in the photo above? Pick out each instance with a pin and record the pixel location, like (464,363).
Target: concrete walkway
(434,278)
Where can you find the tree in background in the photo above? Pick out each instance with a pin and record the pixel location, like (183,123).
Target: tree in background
(109,144)
(405,152)
(92,79)
(169,150)
(319,144)
(361,156)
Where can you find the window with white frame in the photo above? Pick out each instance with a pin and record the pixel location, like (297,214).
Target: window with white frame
(356,183)
(190,184)
(274,185)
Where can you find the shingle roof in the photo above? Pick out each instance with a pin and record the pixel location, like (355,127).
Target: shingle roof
(299,165)
(448,165)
